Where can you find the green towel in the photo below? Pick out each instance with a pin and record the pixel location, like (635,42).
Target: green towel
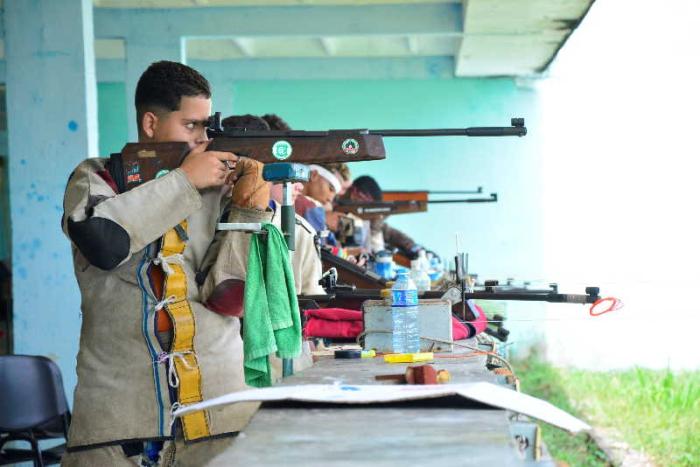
(271,322)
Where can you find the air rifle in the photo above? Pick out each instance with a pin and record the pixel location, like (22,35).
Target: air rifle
(368,209)
(492,291)
(551,295)
(141,162)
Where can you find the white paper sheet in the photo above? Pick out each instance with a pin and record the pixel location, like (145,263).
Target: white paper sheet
(486,393)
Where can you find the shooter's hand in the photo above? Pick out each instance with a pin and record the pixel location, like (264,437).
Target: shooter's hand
(205,169)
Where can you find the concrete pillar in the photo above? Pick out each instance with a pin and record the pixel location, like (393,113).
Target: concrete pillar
(141,51)
(52,126)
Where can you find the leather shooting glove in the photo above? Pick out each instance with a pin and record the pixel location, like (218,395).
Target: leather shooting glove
(250,191)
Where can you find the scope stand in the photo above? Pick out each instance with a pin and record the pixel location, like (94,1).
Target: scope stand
(288,219)
(287,173)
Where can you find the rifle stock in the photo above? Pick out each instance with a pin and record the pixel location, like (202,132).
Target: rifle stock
(331,146)
(141,162)
(405,196)
(380,208)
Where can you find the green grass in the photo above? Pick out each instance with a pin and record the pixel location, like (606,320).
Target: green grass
(655,412)
(543,381)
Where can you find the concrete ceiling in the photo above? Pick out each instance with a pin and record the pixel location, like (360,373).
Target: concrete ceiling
(496,37)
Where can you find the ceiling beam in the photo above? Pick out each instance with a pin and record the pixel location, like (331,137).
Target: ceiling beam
(231,71)
(148,24)
(326,68)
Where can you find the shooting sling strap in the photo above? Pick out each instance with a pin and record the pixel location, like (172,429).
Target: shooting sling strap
(189,378)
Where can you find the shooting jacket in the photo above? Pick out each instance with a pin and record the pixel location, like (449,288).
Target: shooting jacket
(230,266)
(127,381)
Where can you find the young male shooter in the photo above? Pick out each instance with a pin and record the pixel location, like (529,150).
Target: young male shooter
(147,342)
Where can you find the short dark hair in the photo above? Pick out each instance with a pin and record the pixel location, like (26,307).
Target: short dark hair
(164,83)
(245,122)
(369,185)
(276,123)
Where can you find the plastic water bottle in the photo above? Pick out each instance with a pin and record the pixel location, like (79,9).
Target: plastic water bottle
(420,276)
(404,315)
(436,267)
(384,265)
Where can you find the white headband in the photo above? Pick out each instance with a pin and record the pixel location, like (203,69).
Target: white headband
(328,175)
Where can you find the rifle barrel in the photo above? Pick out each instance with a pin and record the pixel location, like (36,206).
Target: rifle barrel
(473,131)
(242,132)
(456,192)
(478,191)
(492,199)
(532,297)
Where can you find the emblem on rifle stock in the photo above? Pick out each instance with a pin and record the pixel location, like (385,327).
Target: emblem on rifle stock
(281,150)
(350,147)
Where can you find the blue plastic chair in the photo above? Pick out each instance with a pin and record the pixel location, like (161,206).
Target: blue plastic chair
(33,407)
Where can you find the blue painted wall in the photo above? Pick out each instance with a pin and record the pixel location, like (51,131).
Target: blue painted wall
(4,210)
(112,115)
(52,126)
(4,183)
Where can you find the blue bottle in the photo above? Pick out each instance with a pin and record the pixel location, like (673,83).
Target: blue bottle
(404,315)
(384,265)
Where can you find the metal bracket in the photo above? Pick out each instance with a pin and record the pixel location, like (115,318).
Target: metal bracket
(246,227)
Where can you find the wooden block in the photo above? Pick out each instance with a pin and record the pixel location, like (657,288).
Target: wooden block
(423,374)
